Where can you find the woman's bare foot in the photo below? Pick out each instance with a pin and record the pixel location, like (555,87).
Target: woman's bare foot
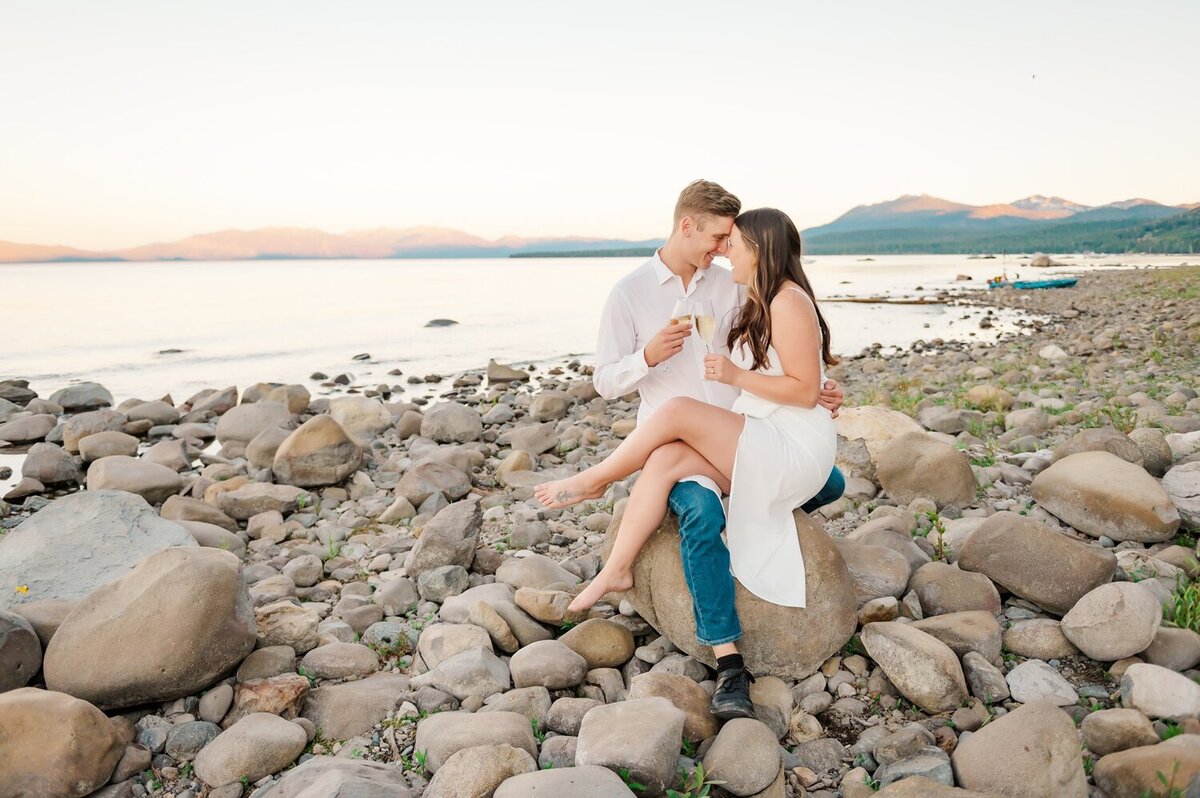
(607,581)
(565,492)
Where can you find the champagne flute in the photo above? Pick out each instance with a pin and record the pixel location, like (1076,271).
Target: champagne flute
(706,322)
(680,312)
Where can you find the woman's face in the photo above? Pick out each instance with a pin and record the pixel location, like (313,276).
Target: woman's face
(742,258)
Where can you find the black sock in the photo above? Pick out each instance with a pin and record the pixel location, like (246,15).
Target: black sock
(730,661)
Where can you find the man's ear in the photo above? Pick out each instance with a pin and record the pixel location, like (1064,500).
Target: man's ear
(686,225)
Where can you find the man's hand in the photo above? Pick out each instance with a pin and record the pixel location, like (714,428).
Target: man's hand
(667,343)
(831,397)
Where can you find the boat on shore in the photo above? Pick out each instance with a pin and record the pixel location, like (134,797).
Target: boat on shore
(1024,285)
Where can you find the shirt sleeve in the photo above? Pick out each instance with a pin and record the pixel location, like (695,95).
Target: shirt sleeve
(620,362)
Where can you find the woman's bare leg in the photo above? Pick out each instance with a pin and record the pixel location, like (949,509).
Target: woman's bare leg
(645,511)
(712,431)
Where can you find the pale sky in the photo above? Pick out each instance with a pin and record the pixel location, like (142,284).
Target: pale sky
(125,122)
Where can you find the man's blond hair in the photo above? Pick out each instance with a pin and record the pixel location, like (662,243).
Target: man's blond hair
(702,199)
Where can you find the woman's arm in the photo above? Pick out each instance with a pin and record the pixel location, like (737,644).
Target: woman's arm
(795,336)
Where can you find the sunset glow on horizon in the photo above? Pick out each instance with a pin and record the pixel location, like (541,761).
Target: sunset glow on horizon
(132,122)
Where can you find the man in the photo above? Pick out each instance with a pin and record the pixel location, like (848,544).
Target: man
(640,349)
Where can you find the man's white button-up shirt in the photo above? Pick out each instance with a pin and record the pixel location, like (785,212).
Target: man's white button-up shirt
(639,306)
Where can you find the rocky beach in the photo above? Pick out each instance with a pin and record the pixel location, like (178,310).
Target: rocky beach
(257,591)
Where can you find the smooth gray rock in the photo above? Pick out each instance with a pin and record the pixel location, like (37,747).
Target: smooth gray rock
(82,541)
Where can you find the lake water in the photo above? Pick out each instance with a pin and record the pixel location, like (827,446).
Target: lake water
(237,323)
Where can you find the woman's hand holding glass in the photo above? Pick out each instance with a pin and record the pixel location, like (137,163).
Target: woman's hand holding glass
(721,369)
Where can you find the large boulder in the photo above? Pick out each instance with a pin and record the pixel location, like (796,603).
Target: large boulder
(244,422)
(917,465)
(212,400)
(448,539)
(1182,484)
(256,746)
(27,429)
(685,693)
(171,627)
(924,669)
(79,427)
(451,422)
(333,776)
(157,412)
(1158,692)
(107,444)
(151,481)
(20,651)
(52,744)
(361,417)
(788,642)
(942,588)
(253,498)
(1113,621)
(50,464)
(641,736)
(876,571)
(973,630)
(1100,494)
(82,396)
(578,782)
(875,426)
(442,735)
(532,438)
(1142,771)
(1035,562)
(1032,752)
(428,478)
(318,453)
(294,397)
(1100,439)
(344,710)
(479,770)
(78,543)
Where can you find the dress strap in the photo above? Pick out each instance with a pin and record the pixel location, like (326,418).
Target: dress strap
(798,290)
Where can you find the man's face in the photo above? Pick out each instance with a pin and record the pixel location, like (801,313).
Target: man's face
(705,244)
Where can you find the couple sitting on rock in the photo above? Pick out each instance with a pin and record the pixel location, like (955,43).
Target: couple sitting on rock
(756,424)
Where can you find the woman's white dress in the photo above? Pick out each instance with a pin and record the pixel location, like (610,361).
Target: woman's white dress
(784,457)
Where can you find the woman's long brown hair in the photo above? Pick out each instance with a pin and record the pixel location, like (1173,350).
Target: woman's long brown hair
(775,242)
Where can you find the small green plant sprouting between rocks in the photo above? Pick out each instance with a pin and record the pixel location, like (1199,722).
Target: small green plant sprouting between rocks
(537,730)
(928,530)
(627,777)
(695,784)
(1169,788)
(1185,607)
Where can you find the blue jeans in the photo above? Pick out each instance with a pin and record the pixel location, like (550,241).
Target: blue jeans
(835,486)
(706,558)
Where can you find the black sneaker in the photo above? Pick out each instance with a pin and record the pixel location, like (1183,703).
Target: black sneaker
(731,699)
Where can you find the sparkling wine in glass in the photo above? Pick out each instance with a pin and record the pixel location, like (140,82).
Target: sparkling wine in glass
(680,313)
(706,322)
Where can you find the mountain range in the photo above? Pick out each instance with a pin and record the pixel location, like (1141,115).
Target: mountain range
(911,223)
(925,224)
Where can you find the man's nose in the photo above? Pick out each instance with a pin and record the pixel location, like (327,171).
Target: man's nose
(723,247)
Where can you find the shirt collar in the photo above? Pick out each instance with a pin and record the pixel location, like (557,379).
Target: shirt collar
(664,274)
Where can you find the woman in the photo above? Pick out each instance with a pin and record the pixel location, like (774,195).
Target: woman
(772,452)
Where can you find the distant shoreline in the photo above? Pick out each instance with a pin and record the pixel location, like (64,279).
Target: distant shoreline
(617,253)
